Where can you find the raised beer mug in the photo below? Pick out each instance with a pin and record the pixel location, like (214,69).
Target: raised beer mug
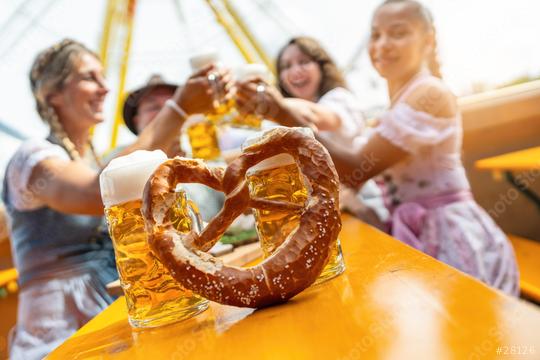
(153,297)
(221,107)
(251,121)
(278,178)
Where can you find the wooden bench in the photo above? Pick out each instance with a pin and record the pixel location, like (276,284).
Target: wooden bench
(528,258)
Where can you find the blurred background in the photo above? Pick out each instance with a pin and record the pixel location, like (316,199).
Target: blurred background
(482,45)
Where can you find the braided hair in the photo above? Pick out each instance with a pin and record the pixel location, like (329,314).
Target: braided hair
(423,14)
(48,74)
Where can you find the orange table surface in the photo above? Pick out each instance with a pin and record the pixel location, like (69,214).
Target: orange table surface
(517,161)
(392,302)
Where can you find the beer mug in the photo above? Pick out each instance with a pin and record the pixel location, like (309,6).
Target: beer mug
(278,178)
(251,121)
(221,106)
(202,137)
(153,297)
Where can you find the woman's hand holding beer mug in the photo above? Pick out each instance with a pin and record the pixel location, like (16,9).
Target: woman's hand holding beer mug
(256,96)
(197,96)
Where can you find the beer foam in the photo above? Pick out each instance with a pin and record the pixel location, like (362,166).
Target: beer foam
(246,71)
(124,178)
(203,59)
(279,160)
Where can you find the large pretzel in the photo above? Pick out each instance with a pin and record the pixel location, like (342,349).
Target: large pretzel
(298,260)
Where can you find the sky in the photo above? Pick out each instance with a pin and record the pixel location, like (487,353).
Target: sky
(480,41)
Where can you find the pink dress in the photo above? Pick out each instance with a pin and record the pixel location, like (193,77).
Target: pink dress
(432,206)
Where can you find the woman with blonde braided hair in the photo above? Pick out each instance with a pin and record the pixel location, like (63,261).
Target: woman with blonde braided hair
(417,149)
(51,190)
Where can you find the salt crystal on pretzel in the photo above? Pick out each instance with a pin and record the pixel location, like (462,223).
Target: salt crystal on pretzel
(297,262)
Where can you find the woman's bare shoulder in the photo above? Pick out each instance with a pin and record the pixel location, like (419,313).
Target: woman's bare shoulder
(433,97)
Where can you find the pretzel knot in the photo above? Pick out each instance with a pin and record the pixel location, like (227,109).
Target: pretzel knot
(296,263)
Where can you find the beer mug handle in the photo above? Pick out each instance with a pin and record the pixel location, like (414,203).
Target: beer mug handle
(195,216)
(213,79)
(190,209)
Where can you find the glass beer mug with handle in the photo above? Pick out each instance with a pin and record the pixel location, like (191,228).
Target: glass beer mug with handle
(278,178)
(243,73)
(202,135)
(202,129)
(153,297)
(222,107)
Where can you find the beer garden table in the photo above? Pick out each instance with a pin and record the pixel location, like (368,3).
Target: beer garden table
(392,302)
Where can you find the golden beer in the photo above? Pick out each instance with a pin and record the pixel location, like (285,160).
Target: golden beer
(243,73)
(248,121)
(278,178)
(153,297)
(202,136)
(222,113)
(225,111)
(222,108)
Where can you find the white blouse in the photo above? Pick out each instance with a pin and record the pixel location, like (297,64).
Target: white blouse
(343,102)
(434,166)
(20,168)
